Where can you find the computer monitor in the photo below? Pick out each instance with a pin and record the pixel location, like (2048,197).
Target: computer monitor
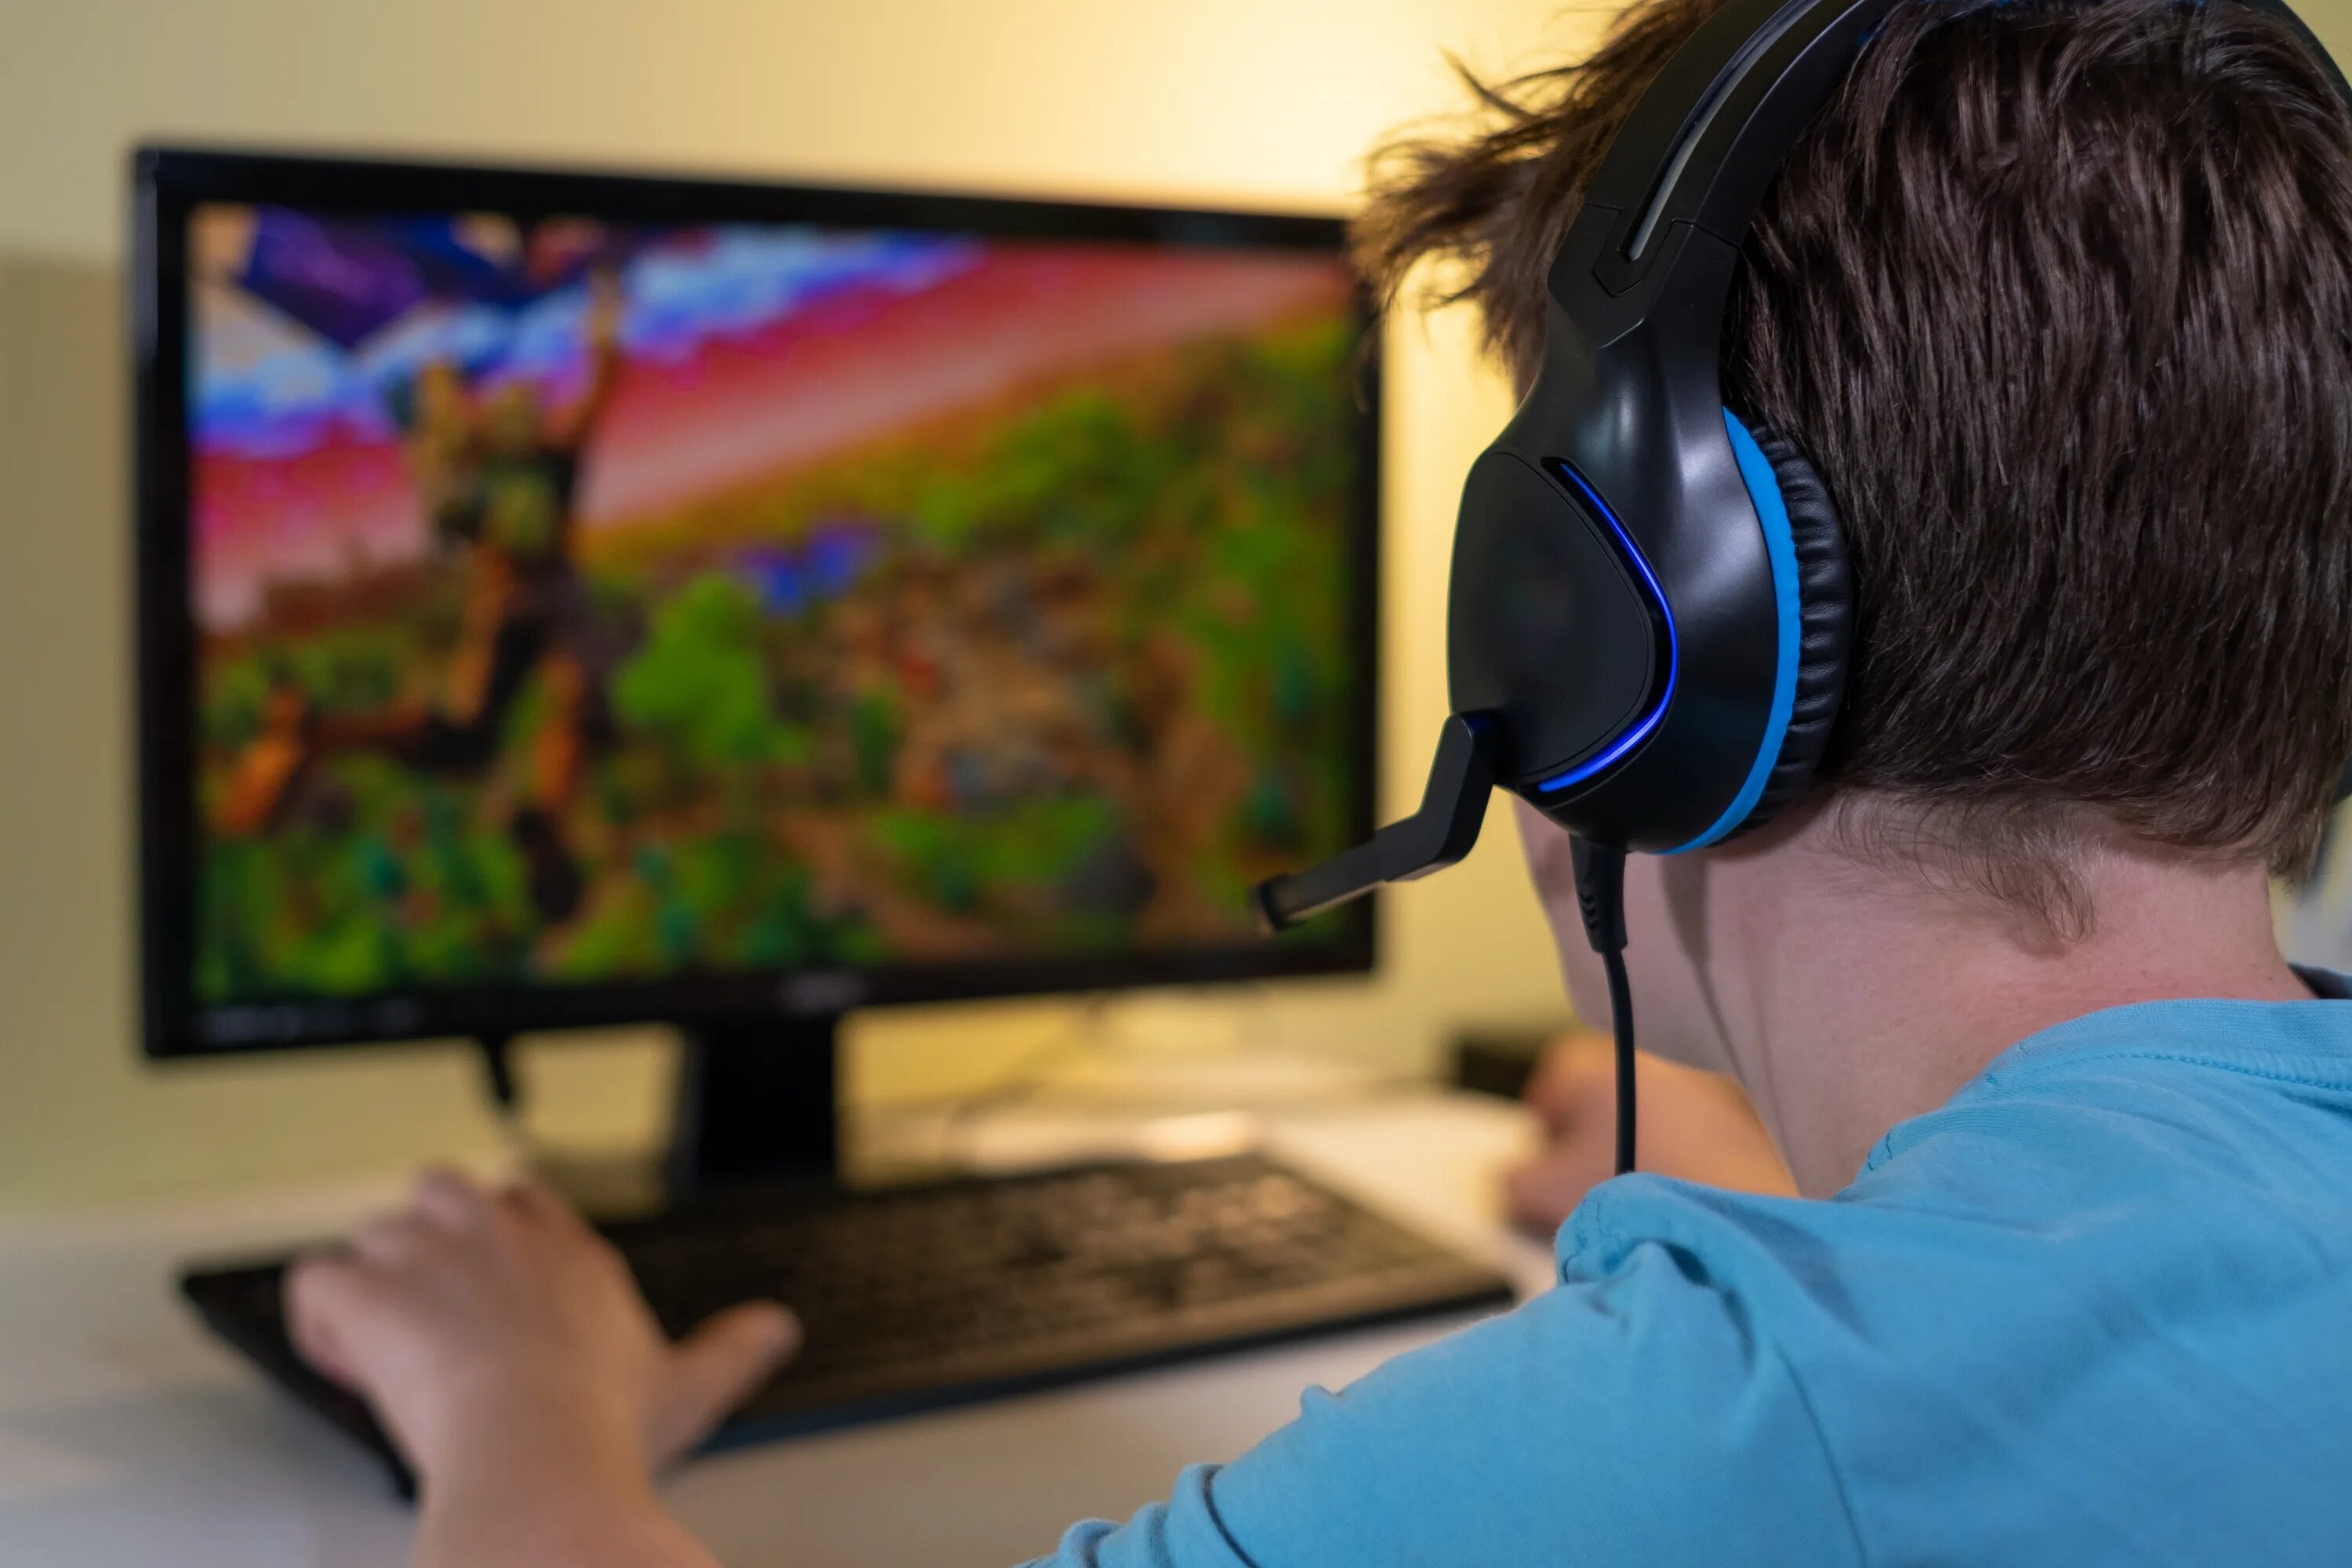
(571,599)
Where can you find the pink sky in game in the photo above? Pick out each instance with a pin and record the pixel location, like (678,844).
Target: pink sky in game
(747,407)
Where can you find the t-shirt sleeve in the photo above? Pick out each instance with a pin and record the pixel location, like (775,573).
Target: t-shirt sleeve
(1639,1416)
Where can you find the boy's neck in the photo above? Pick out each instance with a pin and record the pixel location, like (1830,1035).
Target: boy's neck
(1856,999)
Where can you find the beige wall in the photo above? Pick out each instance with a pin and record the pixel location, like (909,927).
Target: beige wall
(1250,100)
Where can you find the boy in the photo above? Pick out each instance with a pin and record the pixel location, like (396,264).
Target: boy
(2057,297)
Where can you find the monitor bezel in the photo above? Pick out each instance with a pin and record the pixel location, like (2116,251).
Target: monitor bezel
(167,182)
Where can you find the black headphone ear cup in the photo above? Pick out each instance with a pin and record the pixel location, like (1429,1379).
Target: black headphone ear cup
(1825,622)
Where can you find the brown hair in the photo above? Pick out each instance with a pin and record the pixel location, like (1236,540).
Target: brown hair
(2058,299)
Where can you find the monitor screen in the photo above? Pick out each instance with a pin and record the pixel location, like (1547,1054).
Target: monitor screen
(590,613)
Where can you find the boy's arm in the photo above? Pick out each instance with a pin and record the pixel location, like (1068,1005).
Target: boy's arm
(506,1350)
(539,1501)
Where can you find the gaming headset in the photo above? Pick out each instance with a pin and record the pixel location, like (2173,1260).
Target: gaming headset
(1650,610)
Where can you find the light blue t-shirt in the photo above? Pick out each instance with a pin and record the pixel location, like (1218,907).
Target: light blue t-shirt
(2095,1310)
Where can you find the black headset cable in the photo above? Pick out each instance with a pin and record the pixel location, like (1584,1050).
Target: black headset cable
(1600,897)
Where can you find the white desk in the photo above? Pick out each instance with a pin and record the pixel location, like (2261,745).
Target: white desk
(127,1436)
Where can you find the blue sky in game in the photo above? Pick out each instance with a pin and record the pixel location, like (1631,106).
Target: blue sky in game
(264,384)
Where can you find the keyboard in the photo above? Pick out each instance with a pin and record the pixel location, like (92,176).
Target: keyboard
(918,1298)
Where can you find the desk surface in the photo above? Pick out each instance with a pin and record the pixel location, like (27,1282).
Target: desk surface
(127,1436)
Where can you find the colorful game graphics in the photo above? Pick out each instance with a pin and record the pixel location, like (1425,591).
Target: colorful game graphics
(576,605)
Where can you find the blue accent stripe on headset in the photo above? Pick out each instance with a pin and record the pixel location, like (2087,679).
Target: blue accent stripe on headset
(1781,548)
(1639,731)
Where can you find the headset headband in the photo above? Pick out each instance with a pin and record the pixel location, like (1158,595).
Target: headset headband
(1712,130)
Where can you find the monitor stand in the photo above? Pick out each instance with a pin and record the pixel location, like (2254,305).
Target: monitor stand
(756,1106)
(757,1103)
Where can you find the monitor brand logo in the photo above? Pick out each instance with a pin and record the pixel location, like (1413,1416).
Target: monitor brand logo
(821,993)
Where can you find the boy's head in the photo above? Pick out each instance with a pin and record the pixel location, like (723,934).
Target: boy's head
(2057,297)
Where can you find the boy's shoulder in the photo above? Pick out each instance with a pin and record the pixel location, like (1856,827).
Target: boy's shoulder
(2024,1327)
(2118,1147)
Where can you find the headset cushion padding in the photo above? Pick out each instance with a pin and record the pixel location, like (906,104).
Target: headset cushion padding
(1825,622)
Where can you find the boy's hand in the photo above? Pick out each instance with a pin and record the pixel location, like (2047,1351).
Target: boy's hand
(1692,1124)
(493,1333)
